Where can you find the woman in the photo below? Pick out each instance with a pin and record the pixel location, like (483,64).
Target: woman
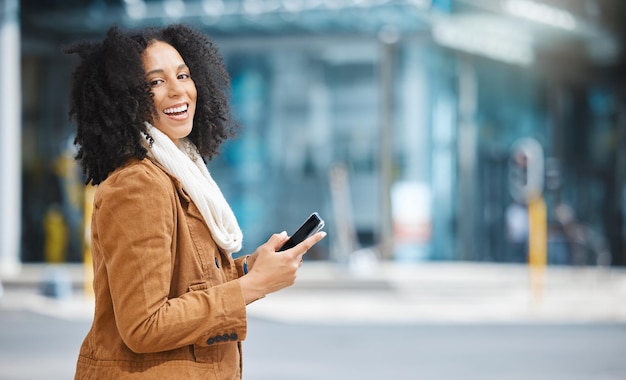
(170,301)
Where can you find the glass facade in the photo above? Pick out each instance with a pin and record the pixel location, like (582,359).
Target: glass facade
(402,141)
(303,111)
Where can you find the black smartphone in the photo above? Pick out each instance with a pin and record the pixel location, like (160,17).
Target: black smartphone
(312,225)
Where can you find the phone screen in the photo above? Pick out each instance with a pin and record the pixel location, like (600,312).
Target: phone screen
(312,225)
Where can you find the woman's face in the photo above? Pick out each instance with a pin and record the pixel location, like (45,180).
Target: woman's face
(174,92)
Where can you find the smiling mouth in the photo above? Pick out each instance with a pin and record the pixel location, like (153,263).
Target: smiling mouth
(176,111)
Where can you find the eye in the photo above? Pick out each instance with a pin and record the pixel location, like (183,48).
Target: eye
(155,82)
(183,76)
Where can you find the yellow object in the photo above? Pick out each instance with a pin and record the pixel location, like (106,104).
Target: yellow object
(56,235)
(537,245)
(87,259)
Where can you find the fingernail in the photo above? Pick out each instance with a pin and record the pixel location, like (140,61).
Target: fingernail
(284,233)
(323,234)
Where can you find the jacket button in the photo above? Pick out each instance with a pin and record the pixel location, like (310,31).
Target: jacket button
(210,341)
(233,336)
(218,338)
(225,337)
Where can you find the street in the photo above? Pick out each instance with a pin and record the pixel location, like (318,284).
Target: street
(37,346)
(430,351)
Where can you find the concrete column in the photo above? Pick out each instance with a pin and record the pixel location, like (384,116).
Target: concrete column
(10,138)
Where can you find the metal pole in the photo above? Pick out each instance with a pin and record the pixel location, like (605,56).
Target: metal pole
(467,156)
(10,138)
(386,148)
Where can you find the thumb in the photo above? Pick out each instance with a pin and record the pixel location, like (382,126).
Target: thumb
(277,240)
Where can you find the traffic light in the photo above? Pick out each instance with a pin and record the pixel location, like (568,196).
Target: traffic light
(526,170)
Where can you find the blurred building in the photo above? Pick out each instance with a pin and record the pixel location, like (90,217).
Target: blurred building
(415,106)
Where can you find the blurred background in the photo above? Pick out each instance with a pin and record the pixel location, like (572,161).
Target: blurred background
(447,144)
(420,130)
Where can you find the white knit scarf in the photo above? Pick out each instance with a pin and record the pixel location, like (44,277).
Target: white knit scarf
(185,163)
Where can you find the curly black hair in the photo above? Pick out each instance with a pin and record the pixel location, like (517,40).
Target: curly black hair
(110,98)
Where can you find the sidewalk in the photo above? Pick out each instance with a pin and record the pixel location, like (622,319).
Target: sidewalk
(391,292)
(449,293)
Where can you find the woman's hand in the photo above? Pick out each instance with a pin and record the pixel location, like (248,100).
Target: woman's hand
(270,271)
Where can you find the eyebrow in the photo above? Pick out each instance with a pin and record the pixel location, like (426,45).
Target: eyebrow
(158,71)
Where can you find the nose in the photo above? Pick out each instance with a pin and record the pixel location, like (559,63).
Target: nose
(174,88)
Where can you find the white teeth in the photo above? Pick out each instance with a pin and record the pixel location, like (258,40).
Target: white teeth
(182,108)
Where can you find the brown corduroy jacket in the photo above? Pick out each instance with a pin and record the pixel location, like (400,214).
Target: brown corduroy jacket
(168,304)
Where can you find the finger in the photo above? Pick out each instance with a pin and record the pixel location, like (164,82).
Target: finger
(277,240)
(307,244)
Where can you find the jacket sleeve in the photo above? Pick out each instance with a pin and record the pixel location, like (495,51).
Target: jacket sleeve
(239,265)
(135,224)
